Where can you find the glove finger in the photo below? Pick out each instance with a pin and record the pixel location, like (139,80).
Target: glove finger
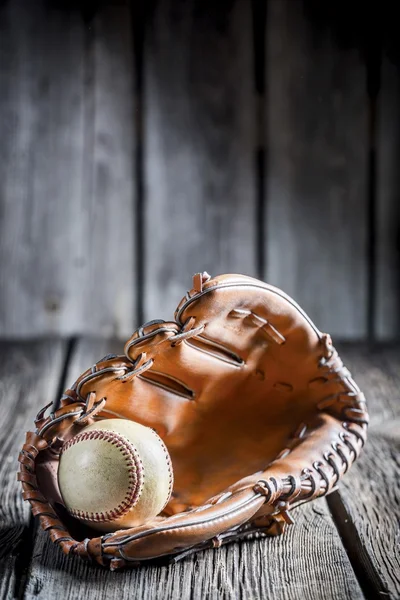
(248,316)
(184,530)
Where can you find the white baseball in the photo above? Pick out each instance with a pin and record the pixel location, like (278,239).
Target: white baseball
(115,474)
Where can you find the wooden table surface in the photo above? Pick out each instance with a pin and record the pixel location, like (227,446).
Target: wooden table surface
(344,546)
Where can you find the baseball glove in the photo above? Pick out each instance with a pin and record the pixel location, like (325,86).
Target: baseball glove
(252,401)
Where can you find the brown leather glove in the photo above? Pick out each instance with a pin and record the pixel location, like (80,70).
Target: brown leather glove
(255,406)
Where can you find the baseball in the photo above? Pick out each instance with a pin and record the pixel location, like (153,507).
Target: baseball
(115,474)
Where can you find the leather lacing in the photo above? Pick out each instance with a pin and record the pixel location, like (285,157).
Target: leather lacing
(324,474)
(315,480)
(75,409)
(141,364)
(92,407)
(351,400)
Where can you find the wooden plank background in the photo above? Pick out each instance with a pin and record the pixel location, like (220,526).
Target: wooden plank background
(316,136)
(142,142)
(67,228)
(199,143)
(29,373)
(387,309)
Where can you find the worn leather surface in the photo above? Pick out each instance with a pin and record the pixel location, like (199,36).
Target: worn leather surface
(252,401)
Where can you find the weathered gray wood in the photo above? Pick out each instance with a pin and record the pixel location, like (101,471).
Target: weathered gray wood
(66,168)
(368,516)
(29,378)
(387,323)
(111,290)
(198,146)
(316,141)
(309,562)
(367,507)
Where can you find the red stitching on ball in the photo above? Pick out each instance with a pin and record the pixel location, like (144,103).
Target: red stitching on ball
(135,471)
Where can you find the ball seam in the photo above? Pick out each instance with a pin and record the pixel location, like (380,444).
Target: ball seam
(135,474)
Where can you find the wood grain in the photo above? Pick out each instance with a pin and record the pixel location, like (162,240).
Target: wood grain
(316,161)
(199,146)
(309,562)
(367,514)
(110,117)
(29,378)
(387,322)
(67,218)
(366,508)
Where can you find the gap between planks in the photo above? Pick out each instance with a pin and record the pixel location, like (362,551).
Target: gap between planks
(29,372)
(27,543)
(363,567)
(366,506)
